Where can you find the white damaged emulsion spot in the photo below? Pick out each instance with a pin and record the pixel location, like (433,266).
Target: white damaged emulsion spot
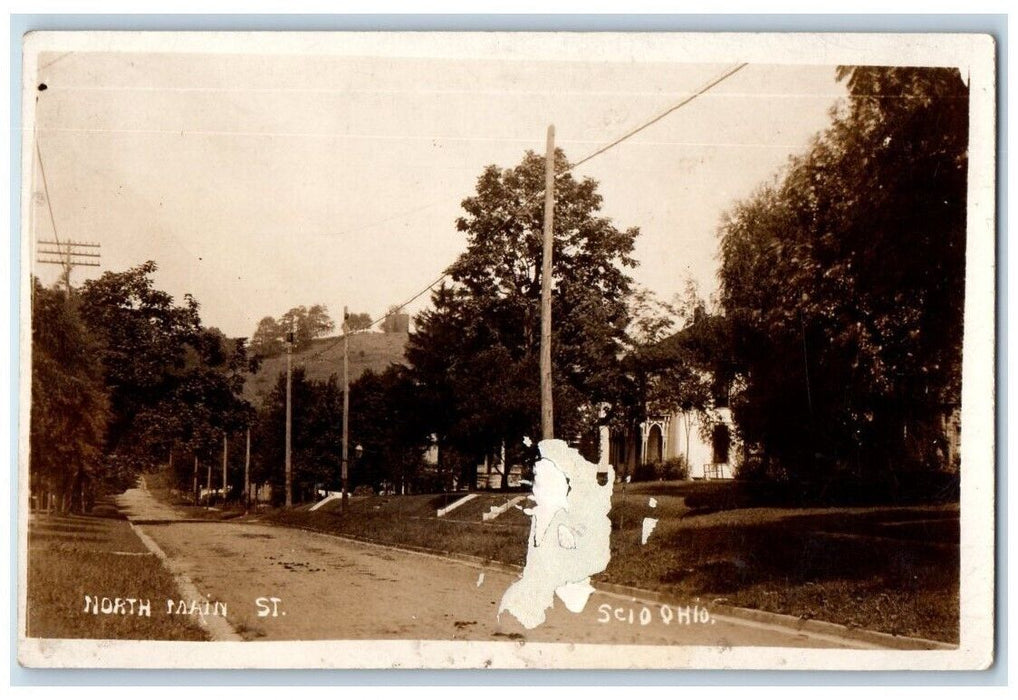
(569,534)
(648,527)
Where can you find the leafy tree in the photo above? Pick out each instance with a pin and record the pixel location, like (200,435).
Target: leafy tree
(307,323)
(269,339)
(395,320)
(206,403)
(389,419)
(170,380)
(316,439)
(476,352)
(843,282)
(144,340)
(70,406)
(358,322)
(684,372)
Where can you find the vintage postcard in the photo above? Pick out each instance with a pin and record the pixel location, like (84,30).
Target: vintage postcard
(507,350)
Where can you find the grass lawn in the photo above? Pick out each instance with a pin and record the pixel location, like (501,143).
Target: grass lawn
(71,556)
(410,521)
(890,569)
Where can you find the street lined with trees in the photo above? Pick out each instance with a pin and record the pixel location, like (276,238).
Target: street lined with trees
(836,337)
(123,379)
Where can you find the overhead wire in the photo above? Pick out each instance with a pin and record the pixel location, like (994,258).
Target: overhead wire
(709,85)
(45,189)
(396,309)
(686,100)
(49,207)
(633,132)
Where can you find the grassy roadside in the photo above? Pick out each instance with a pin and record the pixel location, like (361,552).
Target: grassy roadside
(889,569)
(73,556)
(892,570)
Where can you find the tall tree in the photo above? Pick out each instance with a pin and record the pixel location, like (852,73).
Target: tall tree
(269,338)
(389,419)
(306,323)
(395,320)
(144,337)
(170,379)
(478,347)
(844,283)
(70,406)
(316,441)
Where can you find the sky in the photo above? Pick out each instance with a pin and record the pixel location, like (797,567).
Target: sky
(259,181)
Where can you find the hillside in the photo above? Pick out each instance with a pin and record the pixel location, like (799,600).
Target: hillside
(374,351)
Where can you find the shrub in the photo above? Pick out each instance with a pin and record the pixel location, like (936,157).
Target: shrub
(675,468)
(646,472)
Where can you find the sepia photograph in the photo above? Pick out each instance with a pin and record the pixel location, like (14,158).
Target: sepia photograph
(507,350)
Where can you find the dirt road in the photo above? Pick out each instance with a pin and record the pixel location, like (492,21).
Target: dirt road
(283,584)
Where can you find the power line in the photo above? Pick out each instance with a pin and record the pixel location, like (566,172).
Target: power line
(67,253)
(396,310)
(45,187)
(629,134)
(539,194)
(685,101)
(716,81)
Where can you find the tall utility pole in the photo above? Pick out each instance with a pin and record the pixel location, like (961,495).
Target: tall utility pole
(224,466)
(344,472)
(289,415)
(68,254)
(547,418)
(247,472)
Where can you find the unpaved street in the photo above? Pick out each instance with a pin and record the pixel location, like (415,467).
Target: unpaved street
(331,588)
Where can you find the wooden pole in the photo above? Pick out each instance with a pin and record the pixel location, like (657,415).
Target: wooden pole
(346,409)
(208,485)
(547,417)
(289,415)
(194,479)
(225,449)
(247,472)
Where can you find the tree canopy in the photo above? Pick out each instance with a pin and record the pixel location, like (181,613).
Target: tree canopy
(170,379)
(358,322)
(70,401)
(316,442)
(475,353)
(306,323)
(843,282)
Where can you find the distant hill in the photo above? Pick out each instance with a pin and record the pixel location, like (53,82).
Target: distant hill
(374,351)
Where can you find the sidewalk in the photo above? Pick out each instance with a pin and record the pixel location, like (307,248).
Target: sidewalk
(139,504)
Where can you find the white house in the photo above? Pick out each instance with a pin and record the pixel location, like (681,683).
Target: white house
(705,442)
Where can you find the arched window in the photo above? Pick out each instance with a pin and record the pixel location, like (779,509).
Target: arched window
(654,444)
